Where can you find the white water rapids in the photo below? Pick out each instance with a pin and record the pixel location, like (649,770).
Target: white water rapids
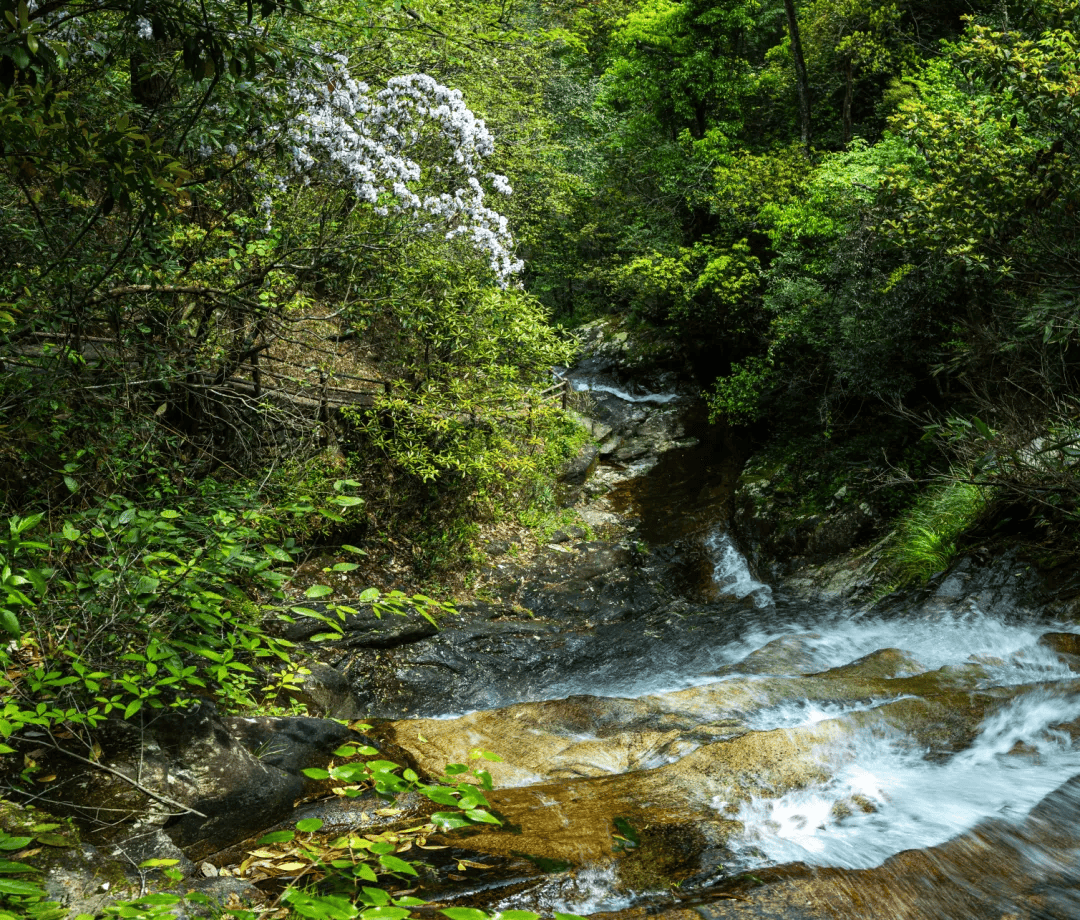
(886,794)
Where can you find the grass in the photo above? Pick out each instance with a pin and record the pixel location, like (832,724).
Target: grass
(928,534)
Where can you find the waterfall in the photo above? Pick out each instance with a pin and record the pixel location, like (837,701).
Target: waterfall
(731,572)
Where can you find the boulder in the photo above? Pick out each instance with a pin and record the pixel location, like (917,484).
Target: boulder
(578,470)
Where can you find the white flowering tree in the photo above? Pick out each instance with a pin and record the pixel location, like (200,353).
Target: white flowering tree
(206,194)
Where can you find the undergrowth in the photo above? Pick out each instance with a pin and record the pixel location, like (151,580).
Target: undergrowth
(928,535)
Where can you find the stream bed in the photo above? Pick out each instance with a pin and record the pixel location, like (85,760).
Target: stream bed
(730,751)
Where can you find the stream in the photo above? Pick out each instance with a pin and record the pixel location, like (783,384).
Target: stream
(755,732)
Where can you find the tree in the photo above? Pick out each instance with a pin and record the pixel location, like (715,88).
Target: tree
(163,248)
(800,71)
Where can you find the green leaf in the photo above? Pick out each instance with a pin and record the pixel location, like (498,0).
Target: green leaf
(51,840)
(16,886)
(517,915)
(316,773)
(275,837)
(464,913)
(309,825)
(448,820)
(376,896)
(478,814)
(318,591)
(397,865)
(441,795)
(385,913)
(14,843)
(6,865)
(158,898)
(9,622)
(983,428)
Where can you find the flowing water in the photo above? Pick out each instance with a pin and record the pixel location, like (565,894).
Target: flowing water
(801,733)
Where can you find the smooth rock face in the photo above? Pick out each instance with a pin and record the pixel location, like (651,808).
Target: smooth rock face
(681,768)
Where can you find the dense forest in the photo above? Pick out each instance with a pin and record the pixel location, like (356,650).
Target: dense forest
(282,276)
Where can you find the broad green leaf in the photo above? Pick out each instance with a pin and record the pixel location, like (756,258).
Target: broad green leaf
(9,622)
(448,820)
(463,913)
(53,840)
(17,886)
(385,913)
(275,837)
(318,591)
(396,865)
(309,825)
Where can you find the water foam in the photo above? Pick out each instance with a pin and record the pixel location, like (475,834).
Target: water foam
(731,573)
(891,797)
(586,385)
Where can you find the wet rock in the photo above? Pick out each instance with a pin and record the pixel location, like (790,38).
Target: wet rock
(325,692)
(1000,869)
(633,449)
(290,743)
(610,444)
(363,629)
(786,655)
(205,779)
(886,662)
(582,466)
(146,841)
(85,881)
(1062,643)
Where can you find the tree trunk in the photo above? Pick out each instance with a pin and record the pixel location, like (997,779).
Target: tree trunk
(849,92)
(800,72)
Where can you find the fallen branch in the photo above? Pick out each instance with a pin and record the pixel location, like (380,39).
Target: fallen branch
(164,799)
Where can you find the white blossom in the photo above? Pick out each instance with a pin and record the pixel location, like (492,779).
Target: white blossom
(376,142)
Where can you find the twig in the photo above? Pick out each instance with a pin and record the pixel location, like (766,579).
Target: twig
(164,799)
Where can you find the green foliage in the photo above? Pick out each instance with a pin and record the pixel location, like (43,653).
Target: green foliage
(740,397)
(928,535)
(133,606)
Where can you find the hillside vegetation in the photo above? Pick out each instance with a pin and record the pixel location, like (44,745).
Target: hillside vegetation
(284,278)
